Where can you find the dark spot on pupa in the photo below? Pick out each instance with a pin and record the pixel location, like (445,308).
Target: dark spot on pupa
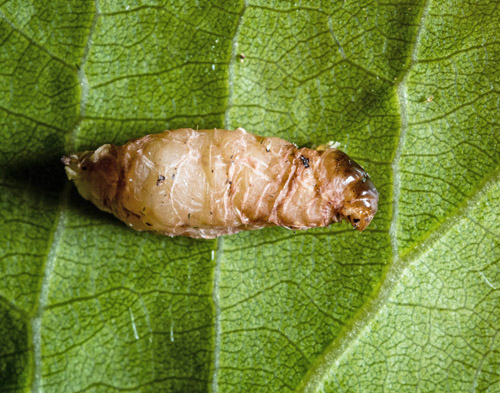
(84,168)
(173,176)
(305,161)
(160,180)
(129,213)
(189,216)
(149,224)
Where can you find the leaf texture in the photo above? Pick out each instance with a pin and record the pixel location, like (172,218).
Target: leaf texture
(409,89)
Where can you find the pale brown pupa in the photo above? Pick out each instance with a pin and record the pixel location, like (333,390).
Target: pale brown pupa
(208,183)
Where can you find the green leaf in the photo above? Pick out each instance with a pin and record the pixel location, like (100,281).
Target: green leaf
(408,89)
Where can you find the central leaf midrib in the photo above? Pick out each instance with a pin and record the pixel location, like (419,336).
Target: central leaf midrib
(217,314)
(84,84)
(353,328)
(59,223)
(36,321)
(219,247)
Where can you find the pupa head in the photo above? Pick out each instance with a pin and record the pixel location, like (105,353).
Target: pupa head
(353,193)
(360,202)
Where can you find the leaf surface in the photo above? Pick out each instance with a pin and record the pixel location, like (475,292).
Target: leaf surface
(409,90)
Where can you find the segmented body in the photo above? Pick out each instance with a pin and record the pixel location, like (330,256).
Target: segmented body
(207,183)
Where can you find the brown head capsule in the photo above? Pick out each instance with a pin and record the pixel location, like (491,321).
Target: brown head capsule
(209,183)
(358,195)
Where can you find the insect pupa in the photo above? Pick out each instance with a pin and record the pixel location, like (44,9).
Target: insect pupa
(208,183)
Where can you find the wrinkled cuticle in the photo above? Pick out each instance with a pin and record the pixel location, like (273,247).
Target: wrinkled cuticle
(330,186)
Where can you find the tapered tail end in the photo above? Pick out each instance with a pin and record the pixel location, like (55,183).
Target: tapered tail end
(71,165)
